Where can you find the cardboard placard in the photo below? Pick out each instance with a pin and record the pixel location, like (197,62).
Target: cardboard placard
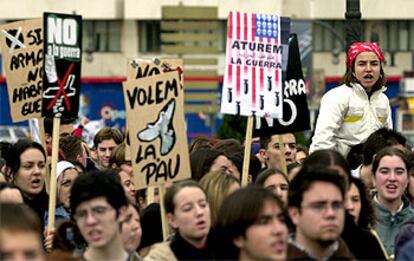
(156,124)
(295,106)
(140,68)
(62,66)
(253,78)
(22,51)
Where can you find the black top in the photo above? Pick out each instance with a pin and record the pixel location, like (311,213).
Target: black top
(185,251)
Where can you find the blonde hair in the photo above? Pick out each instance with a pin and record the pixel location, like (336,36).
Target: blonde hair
(217,186)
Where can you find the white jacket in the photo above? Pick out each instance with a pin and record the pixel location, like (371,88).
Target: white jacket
(347,117)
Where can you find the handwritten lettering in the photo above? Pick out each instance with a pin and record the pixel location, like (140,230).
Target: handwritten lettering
(23,60)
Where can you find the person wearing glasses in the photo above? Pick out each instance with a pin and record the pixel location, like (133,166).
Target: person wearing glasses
(99,205)
(316,208)
(270,152)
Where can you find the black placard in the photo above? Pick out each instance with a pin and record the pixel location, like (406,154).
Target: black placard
(62,65)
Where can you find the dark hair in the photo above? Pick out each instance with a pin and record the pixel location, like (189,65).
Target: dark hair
(300,147)
(355,156)
(174,189)
(327,158)
(6,185)
(48,124)
(200,142)
(378,140)
(237,213)
(99,183)
(309,175)
(389,151)
(13,157)
(71,147)
(264,141)
(201,161)
(229,146)
(367,216)
(108,133)
(350,78)
(265,174)
(19,217)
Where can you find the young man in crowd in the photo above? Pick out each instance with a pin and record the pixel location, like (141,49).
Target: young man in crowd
(316,208)
(20,233)
(270,151)
(73,151)
(99,206)
(105,141)
(251,223)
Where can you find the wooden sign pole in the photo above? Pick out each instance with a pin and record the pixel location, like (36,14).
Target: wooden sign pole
(282,154)
(247,150)
(161,191)
(150,195)
(52,187)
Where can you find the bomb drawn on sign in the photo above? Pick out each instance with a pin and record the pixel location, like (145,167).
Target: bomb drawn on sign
(229,96)
(161,128)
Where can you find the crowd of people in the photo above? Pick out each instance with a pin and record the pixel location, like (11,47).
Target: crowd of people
(350,197)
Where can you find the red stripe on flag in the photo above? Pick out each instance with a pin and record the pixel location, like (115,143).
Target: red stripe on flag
(230,31)
(254,68)
(229,52)
(245,24)
(237,66)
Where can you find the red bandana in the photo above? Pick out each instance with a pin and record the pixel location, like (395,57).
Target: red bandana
(359,47)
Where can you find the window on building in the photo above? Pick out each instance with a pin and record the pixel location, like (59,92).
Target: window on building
(149,36)
(102,36)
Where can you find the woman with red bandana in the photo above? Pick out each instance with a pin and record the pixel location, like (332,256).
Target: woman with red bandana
(351,112)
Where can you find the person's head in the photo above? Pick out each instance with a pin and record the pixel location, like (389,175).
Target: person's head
(200,142)
(131,229)
(316,205)
(105,141)
(329,158)
(128,184)
(301,153)
(203,161)
(229,146)
(251,224)
(276,181)
(72,149)
(9,193)
(27,162)
(359,205)
(98,204)
(364,66)
(66,173)
(390,168)
(270,151)
(218,185)
(118,159)
(65,128)
(20,233)
(380,139)
(188,211)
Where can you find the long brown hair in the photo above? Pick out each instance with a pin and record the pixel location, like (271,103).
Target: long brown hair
(350,78)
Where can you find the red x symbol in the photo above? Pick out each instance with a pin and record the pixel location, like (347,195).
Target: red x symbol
(62,90)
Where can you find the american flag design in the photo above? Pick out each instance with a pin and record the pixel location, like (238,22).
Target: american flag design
(253,77)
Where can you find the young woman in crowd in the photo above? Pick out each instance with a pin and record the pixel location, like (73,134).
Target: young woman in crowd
(66,173)
(359,204)
(218,185)
(131,231)
(276,181)
(27,162)
(351,112)
(393,208)
(188,214)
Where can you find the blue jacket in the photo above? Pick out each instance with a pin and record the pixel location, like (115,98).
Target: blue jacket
(388,225)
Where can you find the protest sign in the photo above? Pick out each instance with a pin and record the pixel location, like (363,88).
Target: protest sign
(253,79)
(22,51)
(156,124)
(62,66)
(295,107)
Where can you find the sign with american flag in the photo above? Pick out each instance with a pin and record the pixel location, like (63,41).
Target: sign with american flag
(253,78)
